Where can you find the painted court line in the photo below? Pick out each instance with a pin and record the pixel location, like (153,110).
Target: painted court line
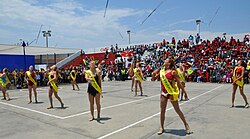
(45,89)
(43,113)
(59,117)
(111,106)
(126,127)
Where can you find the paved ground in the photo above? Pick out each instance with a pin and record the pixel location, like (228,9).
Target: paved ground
(125,116)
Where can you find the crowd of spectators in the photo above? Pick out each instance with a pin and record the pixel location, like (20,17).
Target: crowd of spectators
(212,61)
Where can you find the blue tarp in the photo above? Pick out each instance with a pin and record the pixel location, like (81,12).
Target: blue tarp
(16,61)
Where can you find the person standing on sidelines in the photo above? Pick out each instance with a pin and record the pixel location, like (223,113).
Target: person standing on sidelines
(93,76)
(238,74)
(53,86)
(169,86)
(4,82)
(30,78)
(123,74)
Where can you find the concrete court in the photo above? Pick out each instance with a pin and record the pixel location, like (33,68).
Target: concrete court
(124,116)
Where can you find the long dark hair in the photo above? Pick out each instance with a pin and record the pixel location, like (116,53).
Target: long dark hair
(244,64)
(172,65)
(139,64)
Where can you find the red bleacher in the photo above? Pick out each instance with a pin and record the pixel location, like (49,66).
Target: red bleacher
(96,56)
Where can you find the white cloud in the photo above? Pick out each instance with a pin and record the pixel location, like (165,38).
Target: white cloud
(75,25)
(72,24)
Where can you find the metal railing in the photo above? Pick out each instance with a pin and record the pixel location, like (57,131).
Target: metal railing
(68,59)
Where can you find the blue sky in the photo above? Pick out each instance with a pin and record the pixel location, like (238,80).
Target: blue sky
(80,23)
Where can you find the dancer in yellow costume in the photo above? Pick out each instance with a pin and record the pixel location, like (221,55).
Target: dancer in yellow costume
(169,86)
(73,78)
(4,82)
(238,75)
(30,78)
(130,72)
(138,76)
(53,86)
(181,74)
(93,76)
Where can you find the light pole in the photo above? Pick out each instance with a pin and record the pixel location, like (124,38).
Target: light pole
(128,37)
(24,55)
(47,34)
(198,22)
